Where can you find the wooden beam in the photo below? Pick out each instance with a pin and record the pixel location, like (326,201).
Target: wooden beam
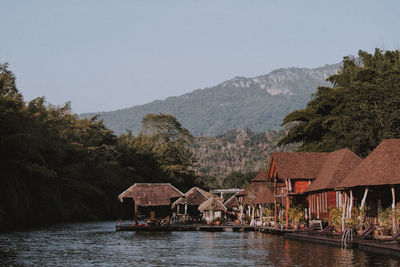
(287,204)
(350,204)
(344,200)
(136,213)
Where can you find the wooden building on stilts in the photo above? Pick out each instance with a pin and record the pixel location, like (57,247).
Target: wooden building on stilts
(152,200)
(212,209)
(374,185)
(187,205)
(264,200)
(321,194)
(258,186)
(292,173)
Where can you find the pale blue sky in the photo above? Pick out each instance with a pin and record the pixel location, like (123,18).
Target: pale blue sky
(107,55)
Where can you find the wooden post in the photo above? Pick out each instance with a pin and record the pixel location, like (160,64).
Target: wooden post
(261,215)
(177,209)
(275,213)
(241,213)
(344,200)
(287,204)
(275,206)
(317,206)
(364,198)
(393,210)
(185,210)
(252,215)
(136,213)
(350,204)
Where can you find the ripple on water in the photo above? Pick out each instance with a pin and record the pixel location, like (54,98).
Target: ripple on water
(97,244)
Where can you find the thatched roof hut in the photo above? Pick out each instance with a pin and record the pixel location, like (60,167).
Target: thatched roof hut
(212,204)
(155,194)
(232,202)
(254,190)
(261,177)
(381,167)
(194,197)
(336,167)
(264,196)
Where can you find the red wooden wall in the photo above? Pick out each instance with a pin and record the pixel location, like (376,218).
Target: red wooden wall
(300,186)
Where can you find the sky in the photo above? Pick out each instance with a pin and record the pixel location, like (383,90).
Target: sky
(107,55)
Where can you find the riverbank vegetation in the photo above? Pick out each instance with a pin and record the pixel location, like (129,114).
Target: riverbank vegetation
(56,167)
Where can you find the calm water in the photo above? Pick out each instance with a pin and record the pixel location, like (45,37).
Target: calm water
(98,244)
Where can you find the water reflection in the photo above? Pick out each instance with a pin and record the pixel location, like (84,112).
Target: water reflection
(98,244)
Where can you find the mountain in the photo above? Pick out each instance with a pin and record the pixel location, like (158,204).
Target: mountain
(259,103)
(237,150)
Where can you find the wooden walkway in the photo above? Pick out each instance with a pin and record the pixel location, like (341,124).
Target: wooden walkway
(185,227)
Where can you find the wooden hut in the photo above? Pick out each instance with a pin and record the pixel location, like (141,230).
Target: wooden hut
(264,199)
(321,195)
(292,173)
(246,197)
(190,202)
(212,208)
(149,196)
(374,183)
(232,203)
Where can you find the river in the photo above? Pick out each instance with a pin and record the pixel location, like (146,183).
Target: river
(97,244)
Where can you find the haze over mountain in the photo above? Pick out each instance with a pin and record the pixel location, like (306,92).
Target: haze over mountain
(259,103)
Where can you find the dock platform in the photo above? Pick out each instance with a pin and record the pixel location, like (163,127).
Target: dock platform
(185,227)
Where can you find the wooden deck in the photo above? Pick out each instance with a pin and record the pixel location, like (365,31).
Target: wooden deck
(185,227)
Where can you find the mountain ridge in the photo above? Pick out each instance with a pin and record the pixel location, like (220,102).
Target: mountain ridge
(259,103)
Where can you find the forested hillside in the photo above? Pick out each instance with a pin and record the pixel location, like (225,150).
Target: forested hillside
(259,103)
(238,151)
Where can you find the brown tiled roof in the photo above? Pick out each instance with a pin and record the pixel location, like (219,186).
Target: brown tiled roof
(335,168)
(265,196)
(261,177)
(381,167)
(194,197)
(232,202)
(156,194)
(300,165)
(212,204)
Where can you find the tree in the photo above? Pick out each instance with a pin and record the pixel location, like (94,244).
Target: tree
(360,109)
(165,138)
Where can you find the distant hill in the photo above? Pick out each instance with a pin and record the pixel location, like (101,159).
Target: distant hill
(259,103)
(237,150)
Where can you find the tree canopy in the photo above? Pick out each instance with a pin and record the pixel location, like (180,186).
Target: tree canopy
(56,167)
(360,109)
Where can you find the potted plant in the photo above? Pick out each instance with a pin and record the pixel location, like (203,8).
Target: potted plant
(385,221)
(218,221)
(296,215)
(246,219)
(268,213)
(335,217)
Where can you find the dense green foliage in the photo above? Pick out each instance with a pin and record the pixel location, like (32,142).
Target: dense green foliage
(56,167)
(258,103)
(238,179)
(236,151)
(359,111)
